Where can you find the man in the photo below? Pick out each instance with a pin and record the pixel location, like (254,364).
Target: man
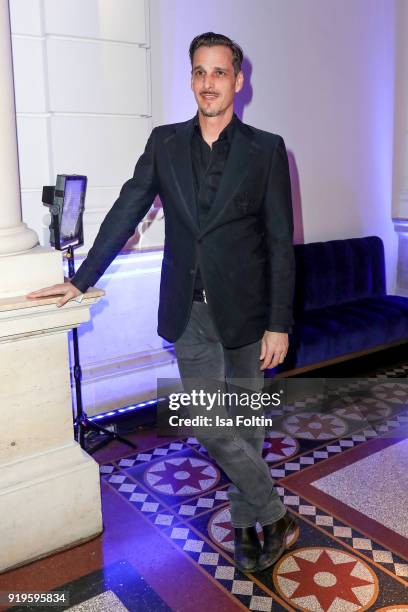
(228,268)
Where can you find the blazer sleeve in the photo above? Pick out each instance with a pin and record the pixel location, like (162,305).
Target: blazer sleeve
(135,198)
(279,241)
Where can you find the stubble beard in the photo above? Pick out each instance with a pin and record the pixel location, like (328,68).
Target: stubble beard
(210,113)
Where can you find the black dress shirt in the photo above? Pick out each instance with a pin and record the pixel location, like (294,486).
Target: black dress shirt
(208,166)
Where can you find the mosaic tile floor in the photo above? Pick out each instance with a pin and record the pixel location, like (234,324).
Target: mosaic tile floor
(167,543)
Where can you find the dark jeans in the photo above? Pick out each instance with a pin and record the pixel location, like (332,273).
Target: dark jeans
(200,355)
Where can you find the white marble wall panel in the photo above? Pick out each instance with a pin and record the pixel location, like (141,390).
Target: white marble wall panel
(25,17)
(122,20)
(97,77)
(100,198)
(33,151)
(104,148)
(97,203)
(29,81)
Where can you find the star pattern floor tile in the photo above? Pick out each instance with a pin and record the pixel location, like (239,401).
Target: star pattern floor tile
(329,564)
(172,498)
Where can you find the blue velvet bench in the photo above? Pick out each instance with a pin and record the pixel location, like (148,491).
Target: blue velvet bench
(341,309)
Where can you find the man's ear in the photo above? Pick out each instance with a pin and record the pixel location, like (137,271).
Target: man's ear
(239,81)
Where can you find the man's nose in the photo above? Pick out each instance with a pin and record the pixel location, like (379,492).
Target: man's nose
(208,82)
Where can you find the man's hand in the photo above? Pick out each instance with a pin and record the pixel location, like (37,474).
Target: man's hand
(274,348)
(66,289)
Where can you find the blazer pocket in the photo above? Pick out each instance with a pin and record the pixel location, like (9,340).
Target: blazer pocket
(244,201)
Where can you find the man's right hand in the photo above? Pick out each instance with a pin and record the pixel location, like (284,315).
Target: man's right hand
(66,290)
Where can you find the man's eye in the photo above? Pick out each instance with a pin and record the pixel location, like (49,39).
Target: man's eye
(220,72)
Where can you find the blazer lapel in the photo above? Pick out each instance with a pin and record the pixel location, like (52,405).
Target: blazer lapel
(178,147)
(242,151)
(236,168)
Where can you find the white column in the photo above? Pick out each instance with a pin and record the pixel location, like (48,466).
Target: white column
(49,487)
(400,161)
(15,236)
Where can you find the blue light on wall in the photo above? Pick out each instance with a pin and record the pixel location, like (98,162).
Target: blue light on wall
(112,413)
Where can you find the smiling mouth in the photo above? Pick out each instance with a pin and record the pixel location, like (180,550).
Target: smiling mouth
(209,96)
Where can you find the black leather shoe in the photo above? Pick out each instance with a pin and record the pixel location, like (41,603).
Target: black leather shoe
(275,536)
(247,548)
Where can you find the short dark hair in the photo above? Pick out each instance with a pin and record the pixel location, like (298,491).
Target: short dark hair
(210,39)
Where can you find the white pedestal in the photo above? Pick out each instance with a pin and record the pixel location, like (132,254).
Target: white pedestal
(49,487)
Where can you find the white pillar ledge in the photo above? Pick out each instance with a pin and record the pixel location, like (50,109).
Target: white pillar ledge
(21,317)
(18,302)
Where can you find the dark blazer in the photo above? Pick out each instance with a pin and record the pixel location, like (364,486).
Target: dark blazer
(245,250)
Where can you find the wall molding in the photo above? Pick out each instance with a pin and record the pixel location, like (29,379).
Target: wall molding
(105,369)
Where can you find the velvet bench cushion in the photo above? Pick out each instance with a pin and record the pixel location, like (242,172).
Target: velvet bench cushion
(329,332)
(341,304)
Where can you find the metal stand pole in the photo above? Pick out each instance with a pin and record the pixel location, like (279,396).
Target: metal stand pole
(82,423)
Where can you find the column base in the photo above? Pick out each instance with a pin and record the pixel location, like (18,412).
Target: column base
(18,239)
(48,502)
